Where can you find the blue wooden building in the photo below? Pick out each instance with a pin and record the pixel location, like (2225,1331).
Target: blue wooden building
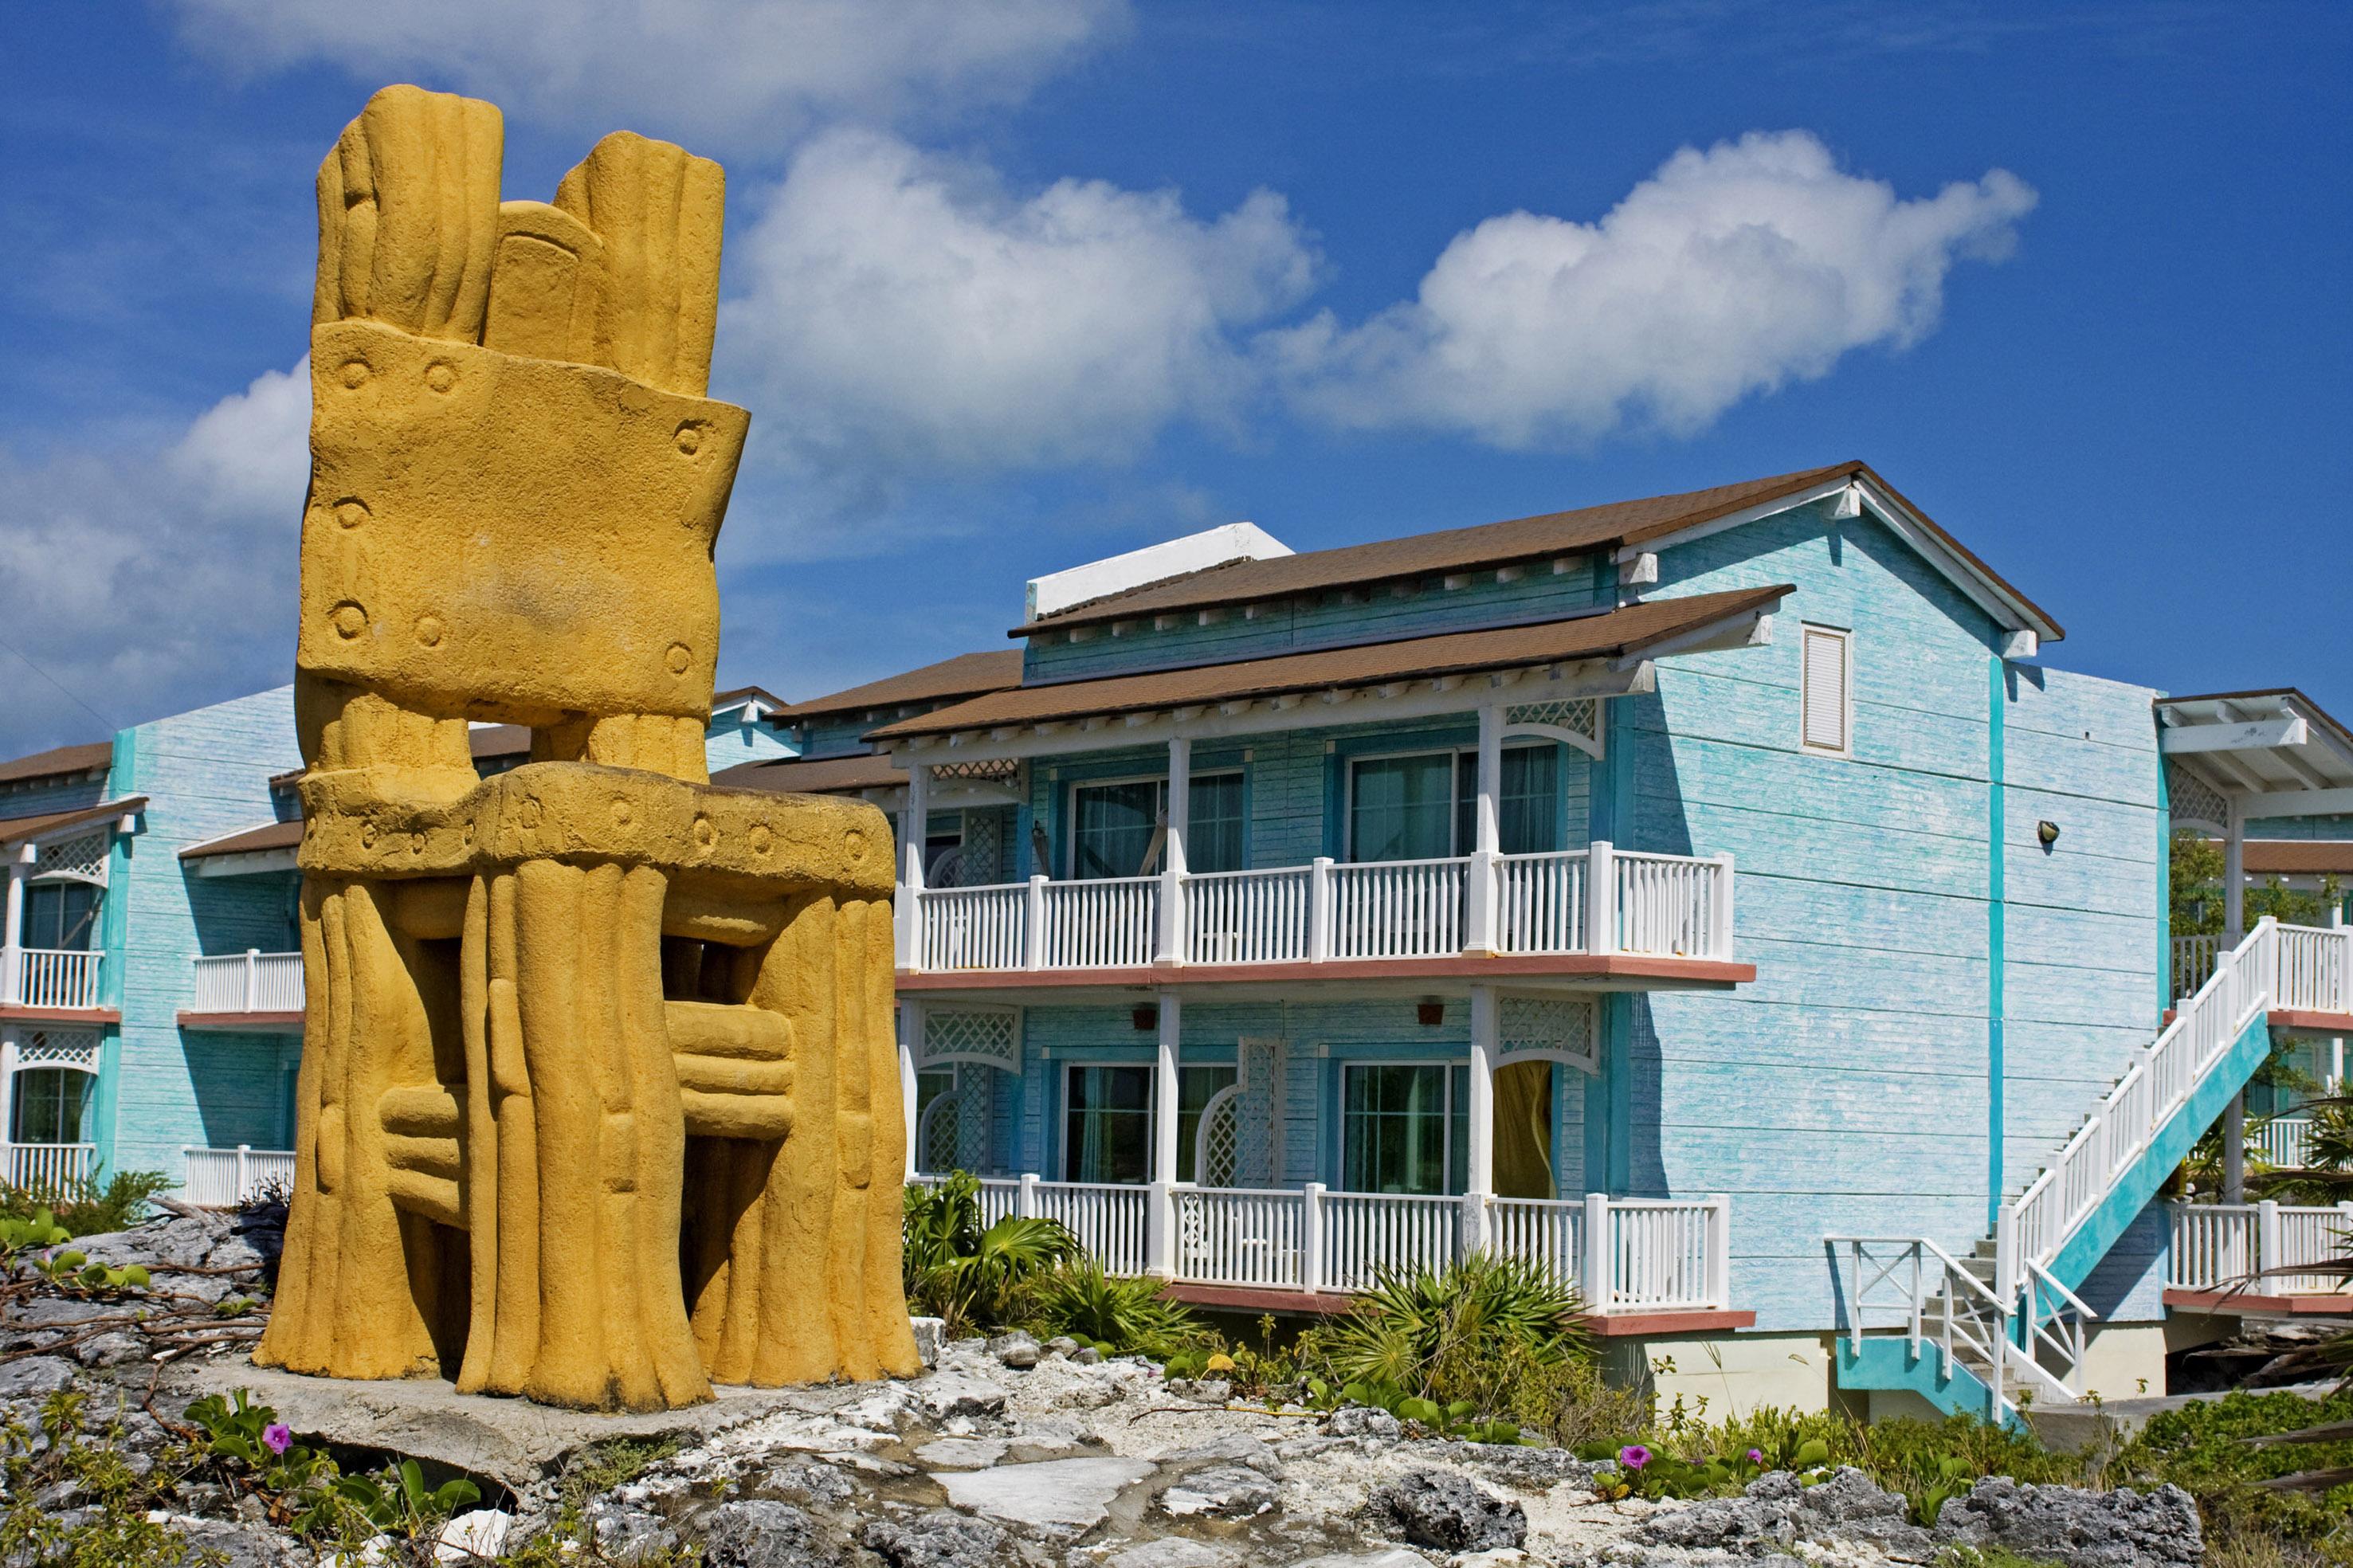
(1717,897)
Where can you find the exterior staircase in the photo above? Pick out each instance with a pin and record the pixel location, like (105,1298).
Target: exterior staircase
(2004,1325)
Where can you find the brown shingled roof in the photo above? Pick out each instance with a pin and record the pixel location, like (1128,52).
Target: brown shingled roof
(1612,634)
(285,834)
(18,829)
(813,775)
(2298,856)
(1487,545)
(966,675)
(60,761)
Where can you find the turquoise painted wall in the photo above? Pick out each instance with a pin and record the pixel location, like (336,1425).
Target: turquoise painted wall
(727,745)
(207,773)
(39,798)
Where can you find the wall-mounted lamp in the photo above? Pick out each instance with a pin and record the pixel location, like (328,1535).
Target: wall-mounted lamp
(1145,1018)
(1430,1012)
(2048,832)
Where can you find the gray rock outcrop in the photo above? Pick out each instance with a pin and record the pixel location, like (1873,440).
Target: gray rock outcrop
(1446,1510)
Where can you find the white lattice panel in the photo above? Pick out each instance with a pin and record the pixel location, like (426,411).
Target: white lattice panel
(1215,1157)
(82,859)
(1556,1029)
(1579,718)
(1257,1114)
(58,1048)
(991,1037)
(2194,800)
(937,1139)
(983,854)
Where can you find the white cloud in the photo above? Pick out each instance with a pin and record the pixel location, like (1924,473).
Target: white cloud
(718,69)
(904,310)
(155,570)
(249,453)
(1728,272)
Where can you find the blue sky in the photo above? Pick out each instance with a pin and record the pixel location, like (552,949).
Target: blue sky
(1012,285)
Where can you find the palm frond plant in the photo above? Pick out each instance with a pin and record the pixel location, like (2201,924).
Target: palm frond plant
(972,1275)
(1494,1333)
(1125,1313)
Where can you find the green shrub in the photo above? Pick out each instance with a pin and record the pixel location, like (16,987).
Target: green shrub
(85,1208)
(1127,1313)
(2202,1447)
(973,1277)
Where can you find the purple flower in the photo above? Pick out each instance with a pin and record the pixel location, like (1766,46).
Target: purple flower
(1755,1456)
(277,1437)
(1633,1456)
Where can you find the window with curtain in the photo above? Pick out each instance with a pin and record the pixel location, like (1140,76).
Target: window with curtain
(1115,827)
(49,1106)
(1107,1124)
(1426,806)
(1196,1087)
(1405,1128)
(61,915)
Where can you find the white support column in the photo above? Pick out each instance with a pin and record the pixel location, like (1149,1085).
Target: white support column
(1170,947)
(1486,836)
(1319,910)
(1719,1251)
(1481,1184)
(1160,1240)
(1600,897)
(1593,1281)
(1033,924)
(8,1099)
(12,929)
(1310,1238)
(913,823)
(2235,931)
(911,1039)
(2268,1253)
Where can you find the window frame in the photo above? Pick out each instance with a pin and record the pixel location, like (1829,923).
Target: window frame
(1844,637)
(1447,1066)
(1068,855)
(1069,1151)
(1454,806)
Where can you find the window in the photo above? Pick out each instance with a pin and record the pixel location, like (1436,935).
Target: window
(48,1107)
(1405,1128)
(61,915)
(1424,808)
(1117,828)
(1107,1124)
(1828,698)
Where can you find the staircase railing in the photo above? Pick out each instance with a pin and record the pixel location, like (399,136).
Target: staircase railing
(2159,1082)
(1914,1285)
(2057,1323)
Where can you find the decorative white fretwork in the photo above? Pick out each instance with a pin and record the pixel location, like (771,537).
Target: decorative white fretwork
(936,1138)
(990,1037)
(1573,720)
(82,860)
(1549,1028)
(58,1048)
(955,1134)
(982,854)
(2193,799)
(998,771)
(1214,1141)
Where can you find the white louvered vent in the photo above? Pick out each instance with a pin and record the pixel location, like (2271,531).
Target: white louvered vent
(1828,700)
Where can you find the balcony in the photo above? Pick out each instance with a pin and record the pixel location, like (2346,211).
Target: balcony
(1633,1260)
(1597,911)
(224,1178)
(249,990)
(2241,1258)
(47,1171)
(42,980)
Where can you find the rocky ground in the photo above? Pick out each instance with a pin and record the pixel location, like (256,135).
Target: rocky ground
(1008,1453)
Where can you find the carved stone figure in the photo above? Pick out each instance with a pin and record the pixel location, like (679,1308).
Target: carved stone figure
(598,1100)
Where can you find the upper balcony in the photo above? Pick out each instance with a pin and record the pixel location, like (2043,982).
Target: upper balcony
(42,980)
(1597,916)
(251,991)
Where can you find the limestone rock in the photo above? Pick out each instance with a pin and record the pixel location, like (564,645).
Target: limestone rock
(763,1534)
(1057,1498)
(1778,1511)
(1448,1510)
(1173,1551)
(1226,1491)
(35,1376)
(1364,1421)
(474,1536)
(1202,1390)
(936,1539)
(1086,1355)
(1062,1345)
(930,1334)
(1016,1350)
(2122,1529)
(110,1349)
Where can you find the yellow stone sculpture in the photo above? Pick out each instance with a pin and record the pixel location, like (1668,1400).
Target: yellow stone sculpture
(598,1100)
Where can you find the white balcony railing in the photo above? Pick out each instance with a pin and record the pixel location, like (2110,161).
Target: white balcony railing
(2283,1140)
(1593,900)
(2312,972)
(48,1170)
(1623,1255)
(249,981)
(224,1178)
(49,978)
(2239,1246)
